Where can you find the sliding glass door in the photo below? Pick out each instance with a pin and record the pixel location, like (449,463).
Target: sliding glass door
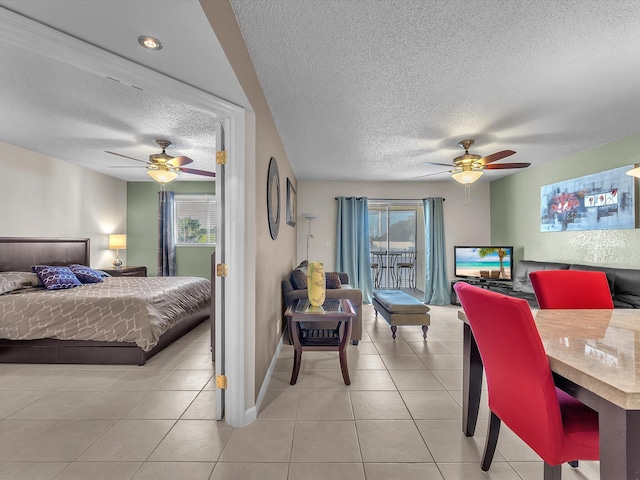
(395,243)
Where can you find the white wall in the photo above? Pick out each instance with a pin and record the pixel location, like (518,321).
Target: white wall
(464,224)
(42,196)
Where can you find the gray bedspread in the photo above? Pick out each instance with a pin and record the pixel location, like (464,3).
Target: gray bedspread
(120,309)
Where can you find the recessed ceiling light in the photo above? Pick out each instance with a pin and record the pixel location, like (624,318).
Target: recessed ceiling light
(149,42)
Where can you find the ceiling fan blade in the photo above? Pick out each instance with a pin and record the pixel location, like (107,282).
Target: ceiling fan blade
(197,172)
(431,174)
(179,161)
(499,166)
(125,166)
(496,156)
(124,156)
(441,164)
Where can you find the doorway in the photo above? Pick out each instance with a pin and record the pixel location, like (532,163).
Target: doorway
(397,249)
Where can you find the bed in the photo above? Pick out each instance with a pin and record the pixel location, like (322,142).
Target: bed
(120,321)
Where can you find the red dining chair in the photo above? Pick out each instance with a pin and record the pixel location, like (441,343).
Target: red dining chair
(520,385)
(574,289)
(571,289)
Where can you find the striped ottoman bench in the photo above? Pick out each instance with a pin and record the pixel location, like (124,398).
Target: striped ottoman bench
(399,308)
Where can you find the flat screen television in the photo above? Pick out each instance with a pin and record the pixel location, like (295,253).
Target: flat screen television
(489,263)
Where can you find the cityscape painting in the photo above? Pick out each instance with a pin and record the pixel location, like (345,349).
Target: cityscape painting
(599,201)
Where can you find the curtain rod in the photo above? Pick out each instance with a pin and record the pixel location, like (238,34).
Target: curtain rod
(394,199)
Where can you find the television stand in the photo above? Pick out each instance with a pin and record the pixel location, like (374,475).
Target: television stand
(478,282)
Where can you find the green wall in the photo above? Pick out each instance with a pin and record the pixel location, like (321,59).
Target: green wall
(515,212)
(142,229)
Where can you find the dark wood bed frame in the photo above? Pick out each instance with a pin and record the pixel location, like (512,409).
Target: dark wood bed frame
(18,254)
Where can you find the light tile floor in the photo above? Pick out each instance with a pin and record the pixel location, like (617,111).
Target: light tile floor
(399,419)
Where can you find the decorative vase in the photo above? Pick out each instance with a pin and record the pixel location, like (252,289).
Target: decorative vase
(316,283)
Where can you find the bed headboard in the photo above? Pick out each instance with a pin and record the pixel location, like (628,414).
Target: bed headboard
(17,254)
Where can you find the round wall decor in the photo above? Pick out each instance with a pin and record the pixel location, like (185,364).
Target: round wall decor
(273,198)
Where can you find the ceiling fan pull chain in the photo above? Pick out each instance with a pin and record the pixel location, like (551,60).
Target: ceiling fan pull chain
(467,194)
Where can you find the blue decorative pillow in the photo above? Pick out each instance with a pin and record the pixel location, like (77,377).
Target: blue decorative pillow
(86,274)
(55,278)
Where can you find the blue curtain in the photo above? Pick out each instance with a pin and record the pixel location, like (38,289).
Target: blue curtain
(353,251)
(436,290)
(167,240)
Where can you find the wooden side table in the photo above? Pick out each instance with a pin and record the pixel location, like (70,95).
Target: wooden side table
(306,323)
(126,271)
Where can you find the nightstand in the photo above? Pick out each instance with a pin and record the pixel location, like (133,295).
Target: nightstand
(126,271)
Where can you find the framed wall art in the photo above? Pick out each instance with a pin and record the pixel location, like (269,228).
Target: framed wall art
(273,198)
(600,201)
(292,211)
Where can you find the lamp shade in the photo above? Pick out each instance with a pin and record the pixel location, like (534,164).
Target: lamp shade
(634,172)
(118,241)
(162,176)
(466,177)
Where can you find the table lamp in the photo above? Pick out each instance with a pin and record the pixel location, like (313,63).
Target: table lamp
(117,242)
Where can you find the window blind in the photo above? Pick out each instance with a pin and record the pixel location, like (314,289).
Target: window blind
(195,219)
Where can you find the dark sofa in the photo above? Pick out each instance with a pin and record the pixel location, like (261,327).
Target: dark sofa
(624,283)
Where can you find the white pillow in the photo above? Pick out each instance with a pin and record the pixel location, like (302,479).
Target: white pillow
(12,281)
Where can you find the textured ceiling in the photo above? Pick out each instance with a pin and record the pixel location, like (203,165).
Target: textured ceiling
(359,89)
(68,113)
(85,114)
(369,89)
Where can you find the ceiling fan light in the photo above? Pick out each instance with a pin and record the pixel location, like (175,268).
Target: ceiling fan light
(162,176)
(634,172)
(467,177)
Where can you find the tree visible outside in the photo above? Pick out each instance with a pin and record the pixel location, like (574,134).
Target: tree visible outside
(195,222)
(190,231)
(483,252)
(402,229)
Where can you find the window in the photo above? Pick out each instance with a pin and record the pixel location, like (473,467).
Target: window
(195,219)
(393,238)
(392,227)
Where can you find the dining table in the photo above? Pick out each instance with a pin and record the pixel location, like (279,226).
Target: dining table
(594,356)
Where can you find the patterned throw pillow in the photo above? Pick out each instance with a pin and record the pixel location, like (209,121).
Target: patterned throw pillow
(12,281)
(333,280)
(86,274)
(55,278)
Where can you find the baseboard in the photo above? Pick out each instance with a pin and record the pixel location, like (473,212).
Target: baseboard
(267,378)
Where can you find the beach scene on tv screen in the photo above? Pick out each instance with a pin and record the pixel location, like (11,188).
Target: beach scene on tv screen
(483,262)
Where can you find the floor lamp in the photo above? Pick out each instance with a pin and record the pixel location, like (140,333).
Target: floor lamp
(309,216)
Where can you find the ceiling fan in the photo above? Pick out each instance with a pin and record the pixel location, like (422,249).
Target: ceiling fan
(467,168)
(164,168)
